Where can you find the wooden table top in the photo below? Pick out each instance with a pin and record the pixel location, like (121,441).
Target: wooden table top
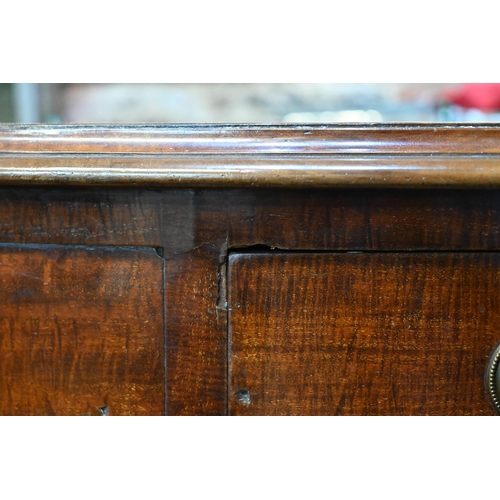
(285,156)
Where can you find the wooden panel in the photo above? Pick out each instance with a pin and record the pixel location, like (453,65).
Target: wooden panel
(80,216)
(197,337)
(128,217)
(81,329)
(197,315)
(176,220)
(299,220)
(363,219)
(362,334)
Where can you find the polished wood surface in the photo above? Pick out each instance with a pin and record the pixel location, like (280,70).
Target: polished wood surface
(183,220)
(361,334)
(277,156)
(195,230)
(252,171)
(227,220)
(163,207)
(81,217)
(81,331)
(407,138)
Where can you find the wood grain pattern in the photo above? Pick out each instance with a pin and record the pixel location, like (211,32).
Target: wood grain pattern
(362,334)
(434,138)
(65,185)
(195,229)
(81,216)
(325,220)
(81,329)
(252,171)
(197,336)
(197,315)
(179,220)
(363,219)
(123,217)
(276,156)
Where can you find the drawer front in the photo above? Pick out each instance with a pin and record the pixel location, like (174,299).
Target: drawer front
(81,331)
(361,333)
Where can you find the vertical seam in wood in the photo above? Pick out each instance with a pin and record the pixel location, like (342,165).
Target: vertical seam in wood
(164,338)
(226,271)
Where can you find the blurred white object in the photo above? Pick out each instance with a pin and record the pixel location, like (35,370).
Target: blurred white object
(345,116)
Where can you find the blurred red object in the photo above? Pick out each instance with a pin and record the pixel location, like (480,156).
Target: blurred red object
(483,96)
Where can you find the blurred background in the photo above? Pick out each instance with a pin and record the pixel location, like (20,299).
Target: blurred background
(248,103)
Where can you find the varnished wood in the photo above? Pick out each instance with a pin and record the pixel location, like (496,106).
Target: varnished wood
(181,220)
(253,171)
(362,334)
(81,331)
(293,156)
(197,336)
(434,138)
(81,217)
(197,311)
(143,192)
(196,229)
(378,220)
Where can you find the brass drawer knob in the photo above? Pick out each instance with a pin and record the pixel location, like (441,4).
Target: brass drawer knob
(492,379)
